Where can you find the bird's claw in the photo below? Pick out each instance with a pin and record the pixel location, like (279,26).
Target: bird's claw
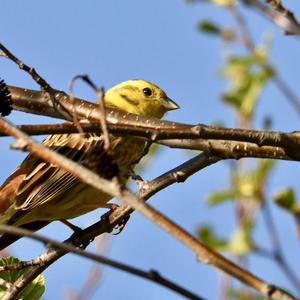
(105,217)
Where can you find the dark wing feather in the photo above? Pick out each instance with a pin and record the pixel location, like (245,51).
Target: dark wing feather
(35,181)
(47,181)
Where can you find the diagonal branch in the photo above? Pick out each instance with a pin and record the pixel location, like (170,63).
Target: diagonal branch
(203,253)
(42,261)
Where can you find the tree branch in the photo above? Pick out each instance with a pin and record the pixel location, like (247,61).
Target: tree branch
(282,17)
(43,260)
(203,253)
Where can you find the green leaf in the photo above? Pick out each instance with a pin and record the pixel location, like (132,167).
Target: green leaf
(247,76)
(221,196)
(241,241)
(209,238)
(245,186)
(33,291)
(286,199)
(209,27)
(264,167)
(250,185)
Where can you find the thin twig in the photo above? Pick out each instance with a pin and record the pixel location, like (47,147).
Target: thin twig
(292,98)
(20,265)
(101,102)
(73,111)
(243,26)
(297,220)
(100,94)
(46,88)
(277,250)
(31,71)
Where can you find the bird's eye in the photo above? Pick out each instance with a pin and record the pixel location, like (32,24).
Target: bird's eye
(147,92)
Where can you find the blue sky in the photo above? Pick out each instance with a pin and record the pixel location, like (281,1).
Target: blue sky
(116,40)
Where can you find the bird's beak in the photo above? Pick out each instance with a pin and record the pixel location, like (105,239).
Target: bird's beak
(169,104)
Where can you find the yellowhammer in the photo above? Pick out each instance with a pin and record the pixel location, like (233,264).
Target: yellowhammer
(38,192)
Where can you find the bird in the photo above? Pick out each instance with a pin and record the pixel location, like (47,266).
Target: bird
(38,192)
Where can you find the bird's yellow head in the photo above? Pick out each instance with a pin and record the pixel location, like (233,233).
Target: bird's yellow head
(140,97)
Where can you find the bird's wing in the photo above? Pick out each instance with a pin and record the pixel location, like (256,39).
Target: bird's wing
(35,181)
(56,183)
(46,181)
